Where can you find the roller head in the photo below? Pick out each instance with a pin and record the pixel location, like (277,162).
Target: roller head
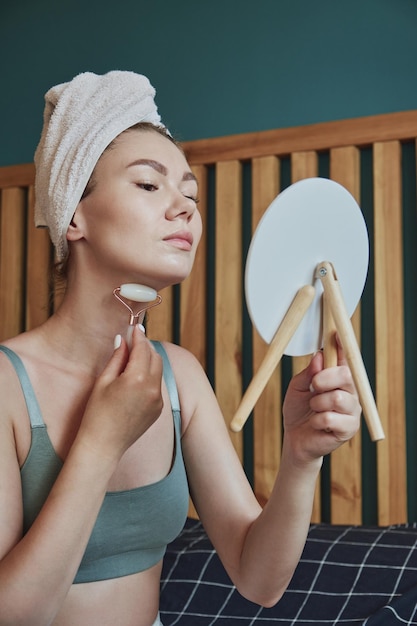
(137,293)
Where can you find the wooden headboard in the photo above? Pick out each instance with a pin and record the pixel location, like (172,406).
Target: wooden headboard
(239,175)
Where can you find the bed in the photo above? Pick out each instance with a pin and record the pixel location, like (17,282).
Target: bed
(347,575)
(360,563)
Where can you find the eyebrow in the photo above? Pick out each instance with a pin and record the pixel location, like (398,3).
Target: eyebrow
(159,167)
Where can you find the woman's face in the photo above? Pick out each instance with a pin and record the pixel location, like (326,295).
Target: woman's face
(140,221)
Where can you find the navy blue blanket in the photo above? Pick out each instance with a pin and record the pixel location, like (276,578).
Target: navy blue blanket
(347,575)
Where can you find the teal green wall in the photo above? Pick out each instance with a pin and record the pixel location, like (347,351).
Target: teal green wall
(219,66)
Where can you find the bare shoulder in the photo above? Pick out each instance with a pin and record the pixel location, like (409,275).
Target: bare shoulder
(13,411)
(12,405)
(193,385)
(21,347)
(183,361)
(12,401)
(9,382)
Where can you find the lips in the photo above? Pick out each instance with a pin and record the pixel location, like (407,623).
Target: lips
(182,239)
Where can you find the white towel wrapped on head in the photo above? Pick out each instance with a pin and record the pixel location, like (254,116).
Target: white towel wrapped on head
(81,118)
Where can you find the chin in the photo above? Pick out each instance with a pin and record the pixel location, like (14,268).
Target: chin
(176,275)
(158,284)
(170,283)
(166,276)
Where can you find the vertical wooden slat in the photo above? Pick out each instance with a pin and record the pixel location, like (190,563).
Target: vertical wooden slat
(389,330)
(346,467)
(228,291)
(37,270)
(193,299)
(305,165)
(160,320)
(267,427)
(12,258)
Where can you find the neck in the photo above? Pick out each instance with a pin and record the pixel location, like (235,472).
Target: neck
(83,328)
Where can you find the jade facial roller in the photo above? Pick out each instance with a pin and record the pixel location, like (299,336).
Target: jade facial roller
(136,293)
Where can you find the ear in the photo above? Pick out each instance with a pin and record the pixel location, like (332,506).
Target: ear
(75,229)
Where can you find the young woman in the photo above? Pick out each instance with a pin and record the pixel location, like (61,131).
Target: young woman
(89,502)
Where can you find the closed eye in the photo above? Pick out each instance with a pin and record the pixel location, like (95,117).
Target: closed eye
(147,186)
(193,198)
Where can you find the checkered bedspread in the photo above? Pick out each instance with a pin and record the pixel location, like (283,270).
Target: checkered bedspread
(347,575)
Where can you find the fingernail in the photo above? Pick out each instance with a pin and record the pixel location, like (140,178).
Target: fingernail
(142,328)
(117,341)
(312,388)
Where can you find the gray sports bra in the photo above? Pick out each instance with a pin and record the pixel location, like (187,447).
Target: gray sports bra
(134,526)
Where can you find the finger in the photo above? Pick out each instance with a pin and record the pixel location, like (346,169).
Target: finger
(334,378)
(337,401)
(341,426)
(138,336)
(341,357)
(143,355)
(302,381)
(141,348)
(118,360)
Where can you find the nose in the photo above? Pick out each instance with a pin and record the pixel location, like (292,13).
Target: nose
(181,206)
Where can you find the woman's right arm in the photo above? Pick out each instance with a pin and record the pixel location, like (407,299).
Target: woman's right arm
(37,570)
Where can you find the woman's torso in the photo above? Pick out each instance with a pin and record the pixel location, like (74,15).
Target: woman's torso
(130,599)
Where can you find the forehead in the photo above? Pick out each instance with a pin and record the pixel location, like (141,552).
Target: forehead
(134,145)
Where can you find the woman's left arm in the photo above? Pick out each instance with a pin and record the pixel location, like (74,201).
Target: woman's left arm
(260,548)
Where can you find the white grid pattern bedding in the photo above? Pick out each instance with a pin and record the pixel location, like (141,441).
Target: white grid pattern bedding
(347,575)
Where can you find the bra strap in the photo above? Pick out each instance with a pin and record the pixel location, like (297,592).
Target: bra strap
(31,400)
(32,405)
(168,376)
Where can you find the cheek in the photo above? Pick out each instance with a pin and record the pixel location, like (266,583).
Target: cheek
(108,215)
(197,228)
(108,230)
